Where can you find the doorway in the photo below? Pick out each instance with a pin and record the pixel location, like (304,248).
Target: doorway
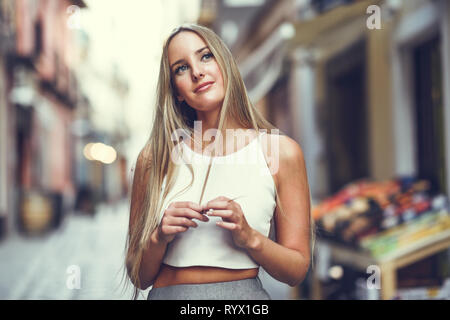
(429,112)
(346,117)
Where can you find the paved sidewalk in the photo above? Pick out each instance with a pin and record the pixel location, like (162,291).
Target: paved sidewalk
(46,267)
(42,268)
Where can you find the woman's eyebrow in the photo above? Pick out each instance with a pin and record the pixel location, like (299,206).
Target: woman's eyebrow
(196,52)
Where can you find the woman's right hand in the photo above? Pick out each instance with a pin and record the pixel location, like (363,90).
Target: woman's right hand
(177,218)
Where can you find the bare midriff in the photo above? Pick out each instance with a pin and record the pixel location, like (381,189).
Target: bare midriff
(169,275)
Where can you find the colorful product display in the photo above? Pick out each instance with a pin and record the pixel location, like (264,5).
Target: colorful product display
(425,293)
(382,216)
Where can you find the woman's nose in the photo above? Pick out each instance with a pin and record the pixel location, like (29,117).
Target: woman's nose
(197,73)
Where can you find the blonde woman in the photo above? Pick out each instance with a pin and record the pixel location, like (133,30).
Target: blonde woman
(202,203)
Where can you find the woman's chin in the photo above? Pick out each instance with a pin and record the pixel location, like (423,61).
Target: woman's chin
(208,106)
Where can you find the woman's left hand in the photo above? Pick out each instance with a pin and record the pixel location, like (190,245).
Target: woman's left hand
(233,219)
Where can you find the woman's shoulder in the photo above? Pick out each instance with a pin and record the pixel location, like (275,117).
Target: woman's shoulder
(288,149)
(285,156)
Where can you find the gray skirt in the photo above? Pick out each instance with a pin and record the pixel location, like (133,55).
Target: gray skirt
(247,289)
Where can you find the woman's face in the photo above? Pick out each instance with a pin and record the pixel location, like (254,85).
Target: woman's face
(195,72)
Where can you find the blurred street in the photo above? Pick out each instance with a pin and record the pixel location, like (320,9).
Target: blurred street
(94,243)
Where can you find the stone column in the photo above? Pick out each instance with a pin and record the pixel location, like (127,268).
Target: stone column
(302,93)
(381,130)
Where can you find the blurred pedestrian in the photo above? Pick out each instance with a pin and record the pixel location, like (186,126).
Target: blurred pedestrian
(84,201)
(217,256)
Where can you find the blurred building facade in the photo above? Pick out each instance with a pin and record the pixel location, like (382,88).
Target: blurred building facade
(40,94)
(362,102)
(99,119)
(45,119)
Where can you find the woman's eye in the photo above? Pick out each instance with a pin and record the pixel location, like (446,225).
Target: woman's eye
(181,68)
(207,56)
(184,67)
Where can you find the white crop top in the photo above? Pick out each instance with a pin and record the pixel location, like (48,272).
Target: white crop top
(242,174)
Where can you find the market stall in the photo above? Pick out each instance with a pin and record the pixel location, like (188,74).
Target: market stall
(386,225)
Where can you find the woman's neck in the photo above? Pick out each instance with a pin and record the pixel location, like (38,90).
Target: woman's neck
(208,120)
(231,141)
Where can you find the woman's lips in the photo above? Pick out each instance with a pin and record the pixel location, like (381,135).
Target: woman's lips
(204,87)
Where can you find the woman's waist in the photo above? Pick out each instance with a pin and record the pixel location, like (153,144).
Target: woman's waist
(169,275)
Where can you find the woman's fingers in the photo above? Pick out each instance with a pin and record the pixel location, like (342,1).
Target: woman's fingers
(178,218)
(187,212)
(225,214)
(181,221)
(178,221)
(216,204)
(189,209)
(227,225)
(172,230)
(187,204)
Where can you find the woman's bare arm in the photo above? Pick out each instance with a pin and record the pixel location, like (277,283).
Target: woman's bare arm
(152,260)
(288,259)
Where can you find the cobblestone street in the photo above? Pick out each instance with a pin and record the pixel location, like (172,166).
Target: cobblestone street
(43,267)
(40,268)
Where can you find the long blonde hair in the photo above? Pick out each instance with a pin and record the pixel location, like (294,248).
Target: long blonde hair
(147,195)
